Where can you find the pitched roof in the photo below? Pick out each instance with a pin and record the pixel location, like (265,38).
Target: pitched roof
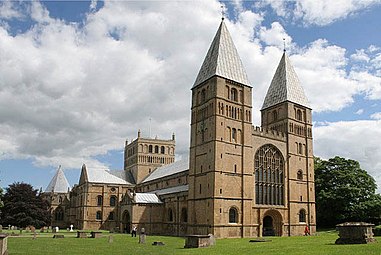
(59,183)
(222,60)
(174,168)
(100,176)
(147,198)
(285,86)
(172,190)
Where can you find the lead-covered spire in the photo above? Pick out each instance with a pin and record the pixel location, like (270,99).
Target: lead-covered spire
(285,86)
(59,183)
(222,60)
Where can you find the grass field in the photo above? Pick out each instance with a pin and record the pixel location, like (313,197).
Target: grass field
(323,243)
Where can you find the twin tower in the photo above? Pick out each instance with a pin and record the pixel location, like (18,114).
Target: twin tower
(245,180)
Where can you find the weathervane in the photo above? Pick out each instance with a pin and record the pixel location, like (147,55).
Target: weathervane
(222,12)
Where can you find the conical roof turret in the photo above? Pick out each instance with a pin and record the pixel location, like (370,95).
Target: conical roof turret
(222,60)
(285,86)
(59,183)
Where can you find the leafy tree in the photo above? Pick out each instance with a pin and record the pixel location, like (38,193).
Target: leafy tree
(344,192)
(24,206)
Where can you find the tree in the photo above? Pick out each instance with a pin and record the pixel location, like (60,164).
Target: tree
(344,192)
(24,206)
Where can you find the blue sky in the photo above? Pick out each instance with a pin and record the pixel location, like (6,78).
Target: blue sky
(78,78)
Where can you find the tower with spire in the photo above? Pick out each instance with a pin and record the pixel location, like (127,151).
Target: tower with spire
(57,194)
(243,180)
(286,110)
(220,146)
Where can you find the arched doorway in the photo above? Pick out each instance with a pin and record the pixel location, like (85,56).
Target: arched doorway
(126,221)
(268,227)
(272,223)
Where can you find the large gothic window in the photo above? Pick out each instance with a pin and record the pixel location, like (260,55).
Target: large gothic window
(269,176)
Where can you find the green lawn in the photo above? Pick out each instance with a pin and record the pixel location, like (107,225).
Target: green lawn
(323,243)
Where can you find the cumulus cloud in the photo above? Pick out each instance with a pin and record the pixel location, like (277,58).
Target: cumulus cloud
(351,139)
(70,92)
(321,12)
(376,116)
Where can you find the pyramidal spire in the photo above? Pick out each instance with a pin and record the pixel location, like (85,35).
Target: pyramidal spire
(222,60)
(285,86)
(59,183)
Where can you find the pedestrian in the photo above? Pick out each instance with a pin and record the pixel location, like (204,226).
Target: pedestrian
(134,230)
(307,231)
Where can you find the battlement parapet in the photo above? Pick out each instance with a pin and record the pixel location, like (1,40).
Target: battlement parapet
(268,133)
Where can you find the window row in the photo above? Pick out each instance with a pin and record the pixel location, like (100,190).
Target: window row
(234,135)
(300,115)
(204,112)
(183,216)
(232,94)
(113,200)
(111,216)
(301,148)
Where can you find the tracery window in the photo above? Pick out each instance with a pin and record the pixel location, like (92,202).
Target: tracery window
(162,150)
(269,177)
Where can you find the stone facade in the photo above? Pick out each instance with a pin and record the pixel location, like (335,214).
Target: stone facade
(239,180)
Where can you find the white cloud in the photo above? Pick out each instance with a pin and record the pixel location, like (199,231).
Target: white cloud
(322,12)
(360,55)
(354,140)
(10,10)
(376,116)
(69,93)
(359,111)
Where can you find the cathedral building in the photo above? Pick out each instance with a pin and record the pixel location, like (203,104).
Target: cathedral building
(238,180)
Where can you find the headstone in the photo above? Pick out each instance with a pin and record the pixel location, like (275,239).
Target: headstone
(142,238)
(57,229)
(1,228)
(13,228)
(212,240)
(71,228)
(110,239)
(142,235)
(34,235)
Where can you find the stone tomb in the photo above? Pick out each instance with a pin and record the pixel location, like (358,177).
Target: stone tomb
(3,244)
(355,233)
(196,241)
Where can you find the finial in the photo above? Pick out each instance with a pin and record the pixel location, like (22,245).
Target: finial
(173,136)
(139,133)
(284,44)
(222,12)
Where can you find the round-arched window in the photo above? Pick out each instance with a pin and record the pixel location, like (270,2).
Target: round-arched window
(233,215)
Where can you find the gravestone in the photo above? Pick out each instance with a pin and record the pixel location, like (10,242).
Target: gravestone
(110,239)
(355,233)
(71,228)
(142,236)
(1,228)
